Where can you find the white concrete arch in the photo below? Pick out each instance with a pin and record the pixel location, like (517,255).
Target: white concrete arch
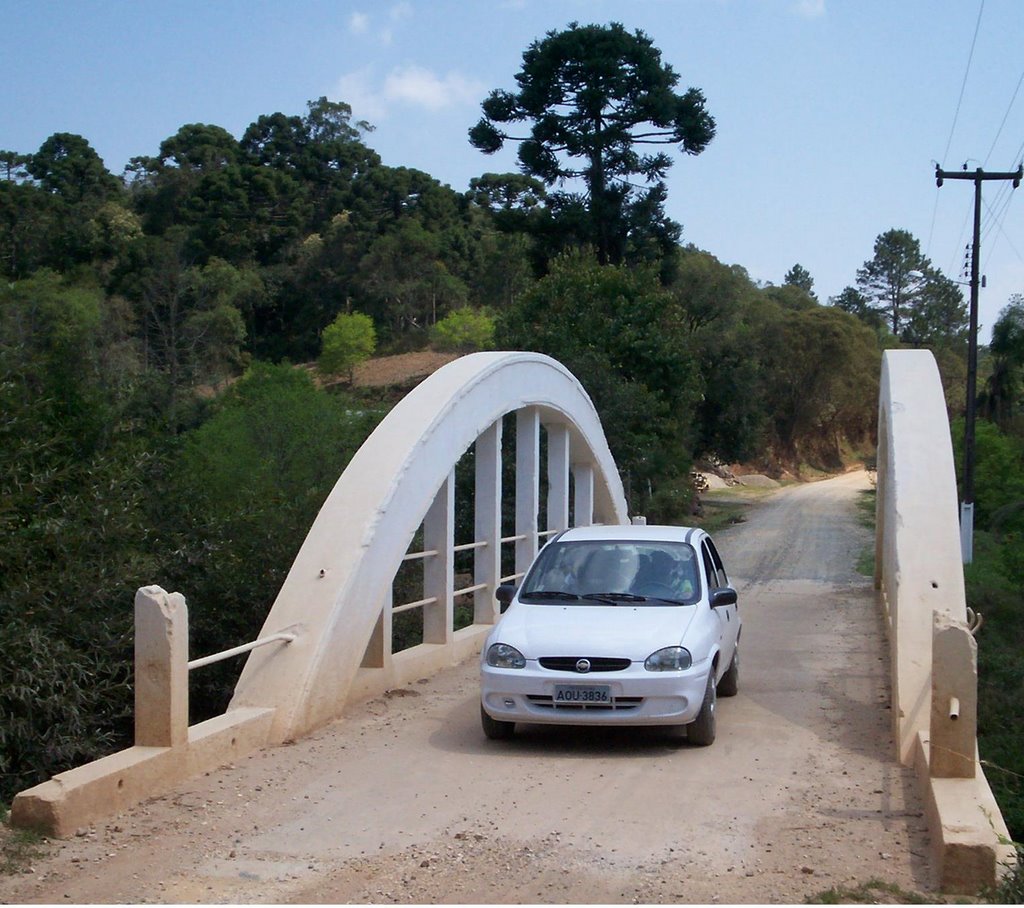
(919,574)
(917,542)
(340,583)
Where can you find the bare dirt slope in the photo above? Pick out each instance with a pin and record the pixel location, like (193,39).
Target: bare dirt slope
(401,369)
(405,801)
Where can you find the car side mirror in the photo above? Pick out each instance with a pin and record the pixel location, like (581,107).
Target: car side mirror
(725,595)
(504,594)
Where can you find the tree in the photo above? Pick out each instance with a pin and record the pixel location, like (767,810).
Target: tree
(323,151)
(464,331)
(596,95)
(405,279)
(886,281)
(612,327)
(826,394)
(190,316)
(347,341)
(853,301)
(938,316)
(798,276)
(1007,349)
(708,302)
(66,164)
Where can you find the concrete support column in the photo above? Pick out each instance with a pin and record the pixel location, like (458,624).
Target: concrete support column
(487,524)
(161,668)
(558,476)
(583,494)
(527,485)
(439,569)
(954,718)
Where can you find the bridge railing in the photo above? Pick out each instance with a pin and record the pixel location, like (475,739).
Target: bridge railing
(919,574)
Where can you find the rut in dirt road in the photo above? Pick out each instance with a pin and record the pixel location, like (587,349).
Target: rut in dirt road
(406,801)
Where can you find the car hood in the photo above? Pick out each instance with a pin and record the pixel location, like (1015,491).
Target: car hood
(624,631)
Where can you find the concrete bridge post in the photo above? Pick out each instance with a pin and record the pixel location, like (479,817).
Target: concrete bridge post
(487,521)
(954,718)
(439,569)
(527,485)
(558,476)
(583,494)
(161,668)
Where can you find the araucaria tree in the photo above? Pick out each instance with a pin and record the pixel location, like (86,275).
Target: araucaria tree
(597,97)
(892,279)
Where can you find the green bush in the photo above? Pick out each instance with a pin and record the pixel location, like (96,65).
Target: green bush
(1000,675)
(464,331)
(61,706)
(346,342)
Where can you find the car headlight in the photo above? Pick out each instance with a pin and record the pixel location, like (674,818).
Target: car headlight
(501,655)
(669,659)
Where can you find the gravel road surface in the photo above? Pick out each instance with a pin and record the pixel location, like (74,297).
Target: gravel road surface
(405,801)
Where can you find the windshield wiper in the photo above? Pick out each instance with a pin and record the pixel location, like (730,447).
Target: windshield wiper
(614,598)
(548,594)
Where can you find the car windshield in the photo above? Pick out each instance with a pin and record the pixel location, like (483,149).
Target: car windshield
(613,573)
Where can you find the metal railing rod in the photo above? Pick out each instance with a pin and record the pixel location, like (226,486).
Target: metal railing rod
(238,650)
(549,532)
(469,589)
(514,538)
(470,545)
(512,577)
(419,603)
(413,555)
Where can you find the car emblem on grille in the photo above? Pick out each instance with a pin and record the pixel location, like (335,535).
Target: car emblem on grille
(583,666)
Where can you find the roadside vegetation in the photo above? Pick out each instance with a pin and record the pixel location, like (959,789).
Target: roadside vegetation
(158,430)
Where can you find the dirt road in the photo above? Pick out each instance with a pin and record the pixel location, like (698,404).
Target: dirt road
(406,801)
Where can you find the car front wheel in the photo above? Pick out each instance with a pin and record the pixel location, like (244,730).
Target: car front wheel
(495,729)
(701,731)
(729,686)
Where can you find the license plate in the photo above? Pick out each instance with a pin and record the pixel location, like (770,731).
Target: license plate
(579,694)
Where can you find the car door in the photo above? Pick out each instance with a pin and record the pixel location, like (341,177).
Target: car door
(728,615)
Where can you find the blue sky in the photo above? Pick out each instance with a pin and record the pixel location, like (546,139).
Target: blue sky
(831,113)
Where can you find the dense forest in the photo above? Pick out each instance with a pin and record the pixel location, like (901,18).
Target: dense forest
(164,418)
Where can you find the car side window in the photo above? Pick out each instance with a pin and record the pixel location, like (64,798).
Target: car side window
(716,559)
(709,566)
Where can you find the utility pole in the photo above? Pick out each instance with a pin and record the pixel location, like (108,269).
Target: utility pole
(967,503)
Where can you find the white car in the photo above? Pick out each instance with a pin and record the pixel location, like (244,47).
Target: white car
(615,625)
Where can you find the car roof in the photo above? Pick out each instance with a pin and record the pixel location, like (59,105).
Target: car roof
(631,532)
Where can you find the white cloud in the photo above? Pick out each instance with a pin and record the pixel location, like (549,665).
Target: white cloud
(422,88)
(358,23)
(400,11)
(406,86)
(811,9)
(356,90)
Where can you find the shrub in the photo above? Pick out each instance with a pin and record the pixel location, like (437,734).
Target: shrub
(346,342)
(464,331)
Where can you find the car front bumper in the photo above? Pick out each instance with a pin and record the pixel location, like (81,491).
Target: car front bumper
(637,696)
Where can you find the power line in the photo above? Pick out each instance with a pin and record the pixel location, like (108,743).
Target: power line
(952,129)
(1009,107)
(963,86)
(997,220)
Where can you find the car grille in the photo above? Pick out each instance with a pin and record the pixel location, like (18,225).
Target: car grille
(616,704)
(597,663)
